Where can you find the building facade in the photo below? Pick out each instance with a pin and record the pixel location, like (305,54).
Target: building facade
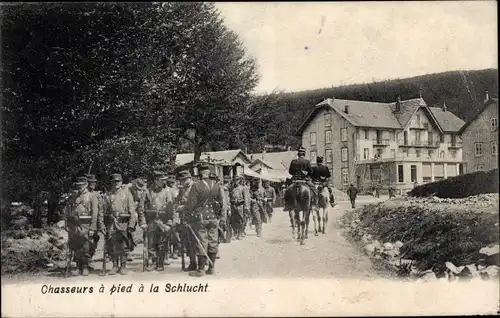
(383,144)
(480,138)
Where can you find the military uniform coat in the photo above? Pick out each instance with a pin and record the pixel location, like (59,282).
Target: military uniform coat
(300,168)
(120,216)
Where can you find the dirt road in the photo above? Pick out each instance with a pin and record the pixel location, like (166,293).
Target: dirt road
(274,254)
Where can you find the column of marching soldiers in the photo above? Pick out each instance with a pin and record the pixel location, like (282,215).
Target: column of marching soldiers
(190,219)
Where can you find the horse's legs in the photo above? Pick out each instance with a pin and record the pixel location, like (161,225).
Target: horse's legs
(307,219)
(316,215)
(300,234)
(292,223)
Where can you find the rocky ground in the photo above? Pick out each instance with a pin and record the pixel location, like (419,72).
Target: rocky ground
(431,238)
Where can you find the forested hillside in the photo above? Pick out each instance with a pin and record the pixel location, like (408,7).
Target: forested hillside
(463,92)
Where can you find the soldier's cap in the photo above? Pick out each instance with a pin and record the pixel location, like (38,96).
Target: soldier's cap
(116,177)
(139,182)
(265,181)
(171,177)
(319,159)
(183,175)
(302,149)
(226,178)
(236,178)
(91,178)
(213,176)
(81,180)
(203,166)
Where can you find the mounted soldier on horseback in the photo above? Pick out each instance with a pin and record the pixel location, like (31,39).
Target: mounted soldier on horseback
(321,175)
(300,195)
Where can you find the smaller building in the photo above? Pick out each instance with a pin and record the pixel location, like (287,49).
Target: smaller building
(227,162)
(480,138)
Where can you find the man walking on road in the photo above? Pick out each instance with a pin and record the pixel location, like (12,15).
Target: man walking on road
(186,235)
(270,199)
(92,187)
(82,214)
(238,208)
(352,192)
(256,206)
(120,222)
(206,200)
(227,190)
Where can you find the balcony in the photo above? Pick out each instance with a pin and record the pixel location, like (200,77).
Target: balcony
(419,144)
(455,145)
(379,142)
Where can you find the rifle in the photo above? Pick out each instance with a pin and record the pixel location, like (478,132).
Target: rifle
(145,252)
(181,241)
(104,249)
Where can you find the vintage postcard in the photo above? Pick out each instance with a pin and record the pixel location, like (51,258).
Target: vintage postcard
(166,159)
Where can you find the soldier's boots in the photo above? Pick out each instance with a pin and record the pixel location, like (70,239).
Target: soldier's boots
(152,264)
(114,270)
(129,258)
(123,266)
(258,228)
(211,265)
(192,267)
(160,260)
(201,266)
(217,255)
(85,269)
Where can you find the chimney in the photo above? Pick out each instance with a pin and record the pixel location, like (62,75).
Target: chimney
(444,106)
(486,96)
(346,109)
(398,104)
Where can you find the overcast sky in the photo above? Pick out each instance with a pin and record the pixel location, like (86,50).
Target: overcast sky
(362,42)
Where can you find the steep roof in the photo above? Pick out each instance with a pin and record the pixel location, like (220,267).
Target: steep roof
(226,156)
(263,162)
(446,119)
(384,115)
(486,104)
(276,160)
(408,109)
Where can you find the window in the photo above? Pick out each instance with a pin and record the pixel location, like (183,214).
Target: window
(494,124)
(367,134)
(405,152)
(366,153)
(479,149)
(344,154)
(494,148)
(429,153)
(343,134)
(393,136)
(461,168)
(453,153)
(429,138)
(417,152)
(328,136)
(313,156)
(441,138)
(393,153)
(479,167)
(379,153)
(413,173)
(312,138)
(345,176)
(405,137)
(441,155)
(418,120)
(328,155)
(400,173)
(328,120)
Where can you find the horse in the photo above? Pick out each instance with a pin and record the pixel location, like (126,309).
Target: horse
(301,195)
(323,202)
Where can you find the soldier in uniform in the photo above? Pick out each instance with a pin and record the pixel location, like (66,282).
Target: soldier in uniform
(227,190)
(300,169)
(139,191)
(322,174)
(120,223)
(256,206)
(238,207)
(92,187)
(206,200)
(159,223)
(186,235)
(269,199)
(248,216)
(173,218)
(83,221)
